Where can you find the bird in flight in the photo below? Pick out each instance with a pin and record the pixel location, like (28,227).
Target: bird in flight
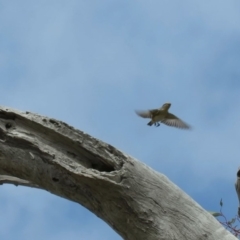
(162,115)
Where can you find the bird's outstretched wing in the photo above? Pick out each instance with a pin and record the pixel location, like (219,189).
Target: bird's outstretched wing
(173,121)
(146,113)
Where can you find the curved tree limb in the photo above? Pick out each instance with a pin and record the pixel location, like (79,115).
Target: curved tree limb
(133,199)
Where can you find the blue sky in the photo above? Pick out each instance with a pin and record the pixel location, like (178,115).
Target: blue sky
(92,63)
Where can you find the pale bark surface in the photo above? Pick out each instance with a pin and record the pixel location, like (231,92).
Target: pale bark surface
(133,199)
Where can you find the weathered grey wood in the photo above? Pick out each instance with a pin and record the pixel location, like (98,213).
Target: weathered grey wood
(133,199)
(16,181)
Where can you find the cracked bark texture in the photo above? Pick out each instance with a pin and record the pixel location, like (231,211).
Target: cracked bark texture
(137,202)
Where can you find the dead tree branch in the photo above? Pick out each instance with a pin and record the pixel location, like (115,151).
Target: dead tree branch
(133,199)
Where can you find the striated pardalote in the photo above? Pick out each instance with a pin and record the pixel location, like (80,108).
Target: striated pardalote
(162,115)
(237,187)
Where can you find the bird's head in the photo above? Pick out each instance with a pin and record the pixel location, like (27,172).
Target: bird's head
(166,106)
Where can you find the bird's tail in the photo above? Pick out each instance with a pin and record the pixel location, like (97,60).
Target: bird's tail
(150,123)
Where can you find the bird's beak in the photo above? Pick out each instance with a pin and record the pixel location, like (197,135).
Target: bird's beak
(169,104)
